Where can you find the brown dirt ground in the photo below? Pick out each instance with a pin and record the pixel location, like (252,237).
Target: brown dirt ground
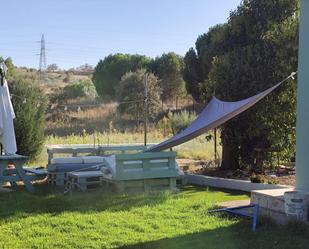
(285,177)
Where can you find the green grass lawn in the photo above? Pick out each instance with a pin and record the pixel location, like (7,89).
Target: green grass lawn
(101,219)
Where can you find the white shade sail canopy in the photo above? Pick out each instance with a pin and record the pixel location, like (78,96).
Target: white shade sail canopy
(215,114)
(7,133)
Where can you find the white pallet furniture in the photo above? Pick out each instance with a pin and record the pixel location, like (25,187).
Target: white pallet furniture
(83,180)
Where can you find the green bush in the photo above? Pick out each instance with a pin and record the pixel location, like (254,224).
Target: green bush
(82,88)
(11,69)
(30,107)
(174,123)
(273,181)
(67,77)
(258,178)
(131,95)
(179,121)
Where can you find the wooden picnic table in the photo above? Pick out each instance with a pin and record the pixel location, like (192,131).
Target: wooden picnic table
(11,170)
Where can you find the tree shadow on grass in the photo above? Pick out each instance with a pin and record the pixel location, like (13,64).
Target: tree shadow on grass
(192,190)
(235,236)
(52,201)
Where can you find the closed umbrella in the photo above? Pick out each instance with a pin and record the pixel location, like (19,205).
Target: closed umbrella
(7,133)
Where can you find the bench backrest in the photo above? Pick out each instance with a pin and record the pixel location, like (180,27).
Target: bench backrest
(74,150)
(146,165)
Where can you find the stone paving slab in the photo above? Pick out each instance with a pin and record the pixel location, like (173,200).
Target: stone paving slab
(231,204)
(272,193)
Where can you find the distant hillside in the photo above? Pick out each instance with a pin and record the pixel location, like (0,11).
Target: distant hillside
(56,81)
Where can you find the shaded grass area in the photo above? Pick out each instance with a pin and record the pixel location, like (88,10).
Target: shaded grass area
(234,236)
(101,219)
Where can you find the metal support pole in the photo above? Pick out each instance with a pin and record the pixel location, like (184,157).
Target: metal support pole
(302,124)
(145,109)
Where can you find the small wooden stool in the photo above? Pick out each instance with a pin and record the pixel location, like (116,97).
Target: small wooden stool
(83,180)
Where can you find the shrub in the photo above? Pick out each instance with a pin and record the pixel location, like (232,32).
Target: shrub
(30,108)
(131,88)
(258,178)
(273,181)
(82,88)
(180,121)
(9,64)
(67,77)
(174,123)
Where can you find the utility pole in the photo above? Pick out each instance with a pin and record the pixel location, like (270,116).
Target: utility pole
(145,108)
(42,65)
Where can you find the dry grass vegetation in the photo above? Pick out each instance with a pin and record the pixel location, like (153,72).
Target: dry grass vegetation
(89,121)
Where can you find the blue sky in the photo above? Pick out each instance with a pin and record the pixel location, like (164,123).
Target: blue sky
(84,31)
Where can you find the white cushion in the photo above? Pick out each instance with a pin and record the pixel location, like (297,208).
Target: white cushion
(93,159)
(64,160)
(110,162)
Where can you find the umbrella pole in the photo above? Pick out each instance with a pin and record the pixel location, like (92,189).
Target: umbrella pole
(1,83)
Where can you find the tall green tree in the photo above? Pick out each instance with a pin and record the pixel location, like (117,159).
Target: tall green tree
(198,63)
(192,74)
(30,108)
(169,68)
(108,72)
(256,48)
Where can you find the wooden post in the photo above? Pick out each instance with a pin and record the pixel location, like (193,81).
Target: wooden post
(176,103)
(138,117)
(215,146)
(145,109)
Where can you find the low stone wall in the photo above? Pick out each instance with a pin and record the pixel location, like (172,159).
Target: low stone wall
(234,184)
(271,203)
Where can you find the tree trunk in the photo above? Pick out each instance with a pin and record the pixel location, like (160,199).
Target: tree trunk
(230,152)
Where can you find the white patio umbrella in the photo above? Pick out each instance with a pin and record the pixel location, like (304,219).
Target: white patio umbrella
(7,133)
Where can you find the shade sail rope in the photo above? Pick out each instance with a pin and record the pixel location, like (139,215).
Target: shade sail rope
(215,114)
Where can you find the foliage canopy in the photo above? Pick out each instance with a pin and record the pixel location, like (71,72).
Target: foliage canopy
(256,48)
(169,69)
(131,94)
(108,72)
